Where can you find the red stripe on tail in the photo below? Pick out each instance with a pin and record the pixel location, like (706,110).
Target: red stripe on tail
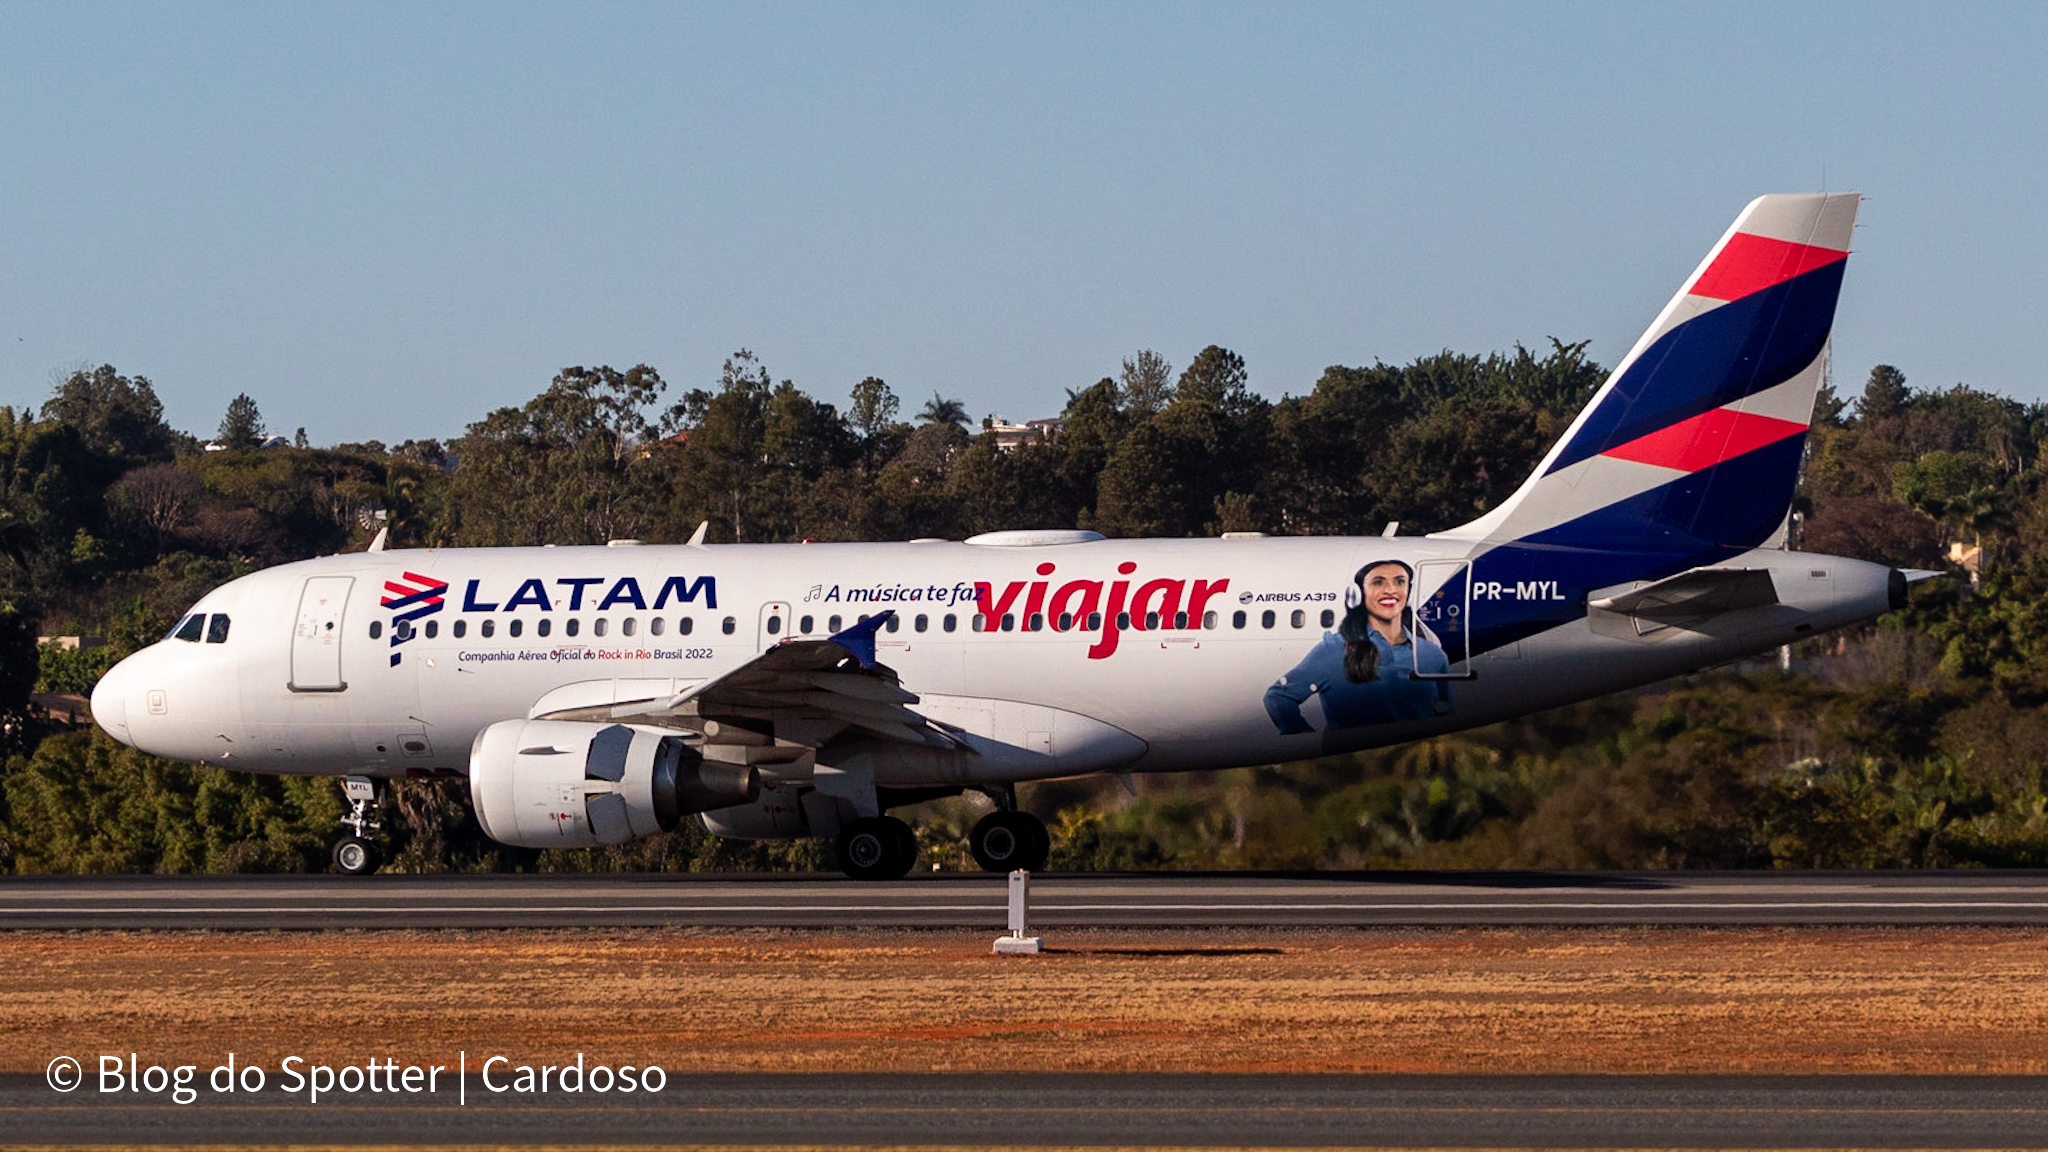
(1705,440)
(1753,263)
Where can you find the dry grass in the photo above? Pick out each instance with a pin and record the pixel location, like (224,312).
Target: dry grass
(1578,1000)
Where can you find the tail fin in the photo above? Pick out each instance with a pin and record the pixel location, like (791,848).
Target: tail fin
(1697,436)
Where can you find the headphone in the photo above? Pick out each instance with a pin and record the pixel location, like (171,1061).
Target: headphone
(1355,595)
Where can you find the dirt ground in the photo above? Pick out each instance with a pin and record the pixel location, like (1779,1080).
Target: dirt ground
(1553,1000)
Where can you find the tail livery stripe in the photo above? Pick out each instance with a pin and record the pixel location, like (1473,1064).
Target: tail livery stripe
(1705,440)
(1718,357)
(1694,439)
(1749,264)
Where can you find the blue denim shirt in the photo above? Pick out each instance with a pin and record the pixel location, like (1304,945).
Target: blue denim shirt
(1389,697)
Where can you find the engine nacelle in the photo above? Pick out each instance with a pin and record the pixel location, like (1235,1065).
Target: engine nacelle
(562,784)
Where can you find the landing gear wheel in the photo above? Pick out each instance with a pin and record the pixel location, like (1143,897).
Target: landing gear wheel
(906,837)
(877,848)
(356,856)
(1007,841)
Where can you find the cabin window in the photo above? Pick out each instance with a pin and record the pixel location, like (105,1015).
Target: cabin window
(1095,621)
(1009,621)
(804,624)
(1209,620)
(544,627)
(656,625)
(1329,617)
(402,630)
(1298,618)
(572,626)
(191,627)
(217,629)
(489,628)
(461,628)
(832,624)
(597,626)
(686,625)
(376,630)
(951,622)
(1123,620)
(727,625)
(894,622)
(775,625)
(626,626)
(1237,619)
(516,627)
(977,622)
(1151,621)
(1064,622)
(433,629)
(1180,619)
(1266,618)
(922,622)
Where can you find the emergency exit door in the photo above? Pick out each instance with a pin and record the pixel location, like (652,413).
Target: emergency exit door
(316,639)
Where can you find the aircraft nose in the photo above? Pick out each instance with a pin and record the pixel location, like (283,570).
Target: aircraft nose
(110,702)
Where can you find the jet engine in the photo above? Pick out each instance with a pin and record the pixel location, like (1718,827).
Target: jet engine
(562,784)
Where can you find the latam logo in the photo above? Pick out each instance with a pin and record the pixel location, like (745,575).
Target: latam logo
(1103,607)
(624,592)
(411,598)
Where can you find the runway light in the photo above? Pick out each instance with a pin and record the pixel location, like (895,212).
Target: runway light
(1017,943)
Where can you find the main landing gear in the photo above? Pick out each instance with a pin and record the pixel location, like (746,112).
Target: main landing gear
(877,848)
(357,854)
(1006,840)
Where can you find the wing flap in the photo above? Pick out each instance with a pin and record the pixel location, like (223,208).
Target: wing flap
(835,679)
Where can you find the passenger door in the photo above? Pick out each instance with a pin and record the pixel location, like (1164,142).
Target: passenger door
(316,640)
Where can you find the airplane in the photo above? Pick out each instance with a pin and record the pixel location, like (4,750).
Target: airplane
(594,695)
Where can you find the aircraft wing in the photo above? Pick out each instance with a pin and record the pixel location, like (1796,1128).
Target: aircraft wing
(1692,594)
(813,688)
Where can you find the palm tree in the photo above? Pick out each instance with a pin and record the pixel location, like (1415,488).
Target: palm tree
(939,410)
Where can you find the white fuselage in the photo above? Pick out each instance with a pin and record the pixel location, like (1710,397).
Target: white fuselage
(318,675)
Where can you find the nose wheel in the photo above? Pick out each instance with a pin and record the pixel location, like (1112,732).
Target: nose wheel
(357,854)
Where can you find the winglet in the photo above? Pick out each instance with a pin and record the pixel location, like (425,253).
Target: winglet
(859,640)
(697,537)
(377,545)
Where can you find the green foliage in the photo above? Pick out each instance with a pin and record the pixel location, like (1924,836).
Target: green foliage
(1919,743)
(242,425)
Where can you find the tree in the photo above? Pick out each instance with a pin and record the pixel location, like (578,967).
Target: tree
(872,415)
(563,469)
(1217,376)
(1145,385)
(242,427)
(1884,395)
(939,410)
(114,414)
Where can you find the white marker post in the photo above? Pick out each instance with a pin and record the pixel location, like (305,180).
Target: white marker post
(1017,943)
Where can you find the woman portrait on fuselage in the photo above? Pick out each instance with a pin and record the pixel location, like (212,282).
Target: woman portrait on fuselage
(1364,671)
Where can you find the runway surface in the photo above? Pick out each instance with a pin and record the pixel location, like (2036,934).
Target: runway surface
(980,901)
(1081,1111)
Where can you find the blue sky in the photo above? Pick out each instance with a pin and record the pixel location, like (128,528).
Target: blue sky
(385,220)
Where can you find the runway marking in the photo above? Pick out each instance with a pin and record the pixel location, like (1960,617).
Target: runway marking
(1048,906)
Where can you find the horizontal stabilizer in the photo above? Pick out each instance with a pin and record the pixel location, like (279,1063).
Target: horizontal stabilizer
(1693,594)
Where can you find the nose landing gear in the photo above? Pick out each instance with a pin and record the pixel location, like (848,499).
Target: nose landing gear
(357,854)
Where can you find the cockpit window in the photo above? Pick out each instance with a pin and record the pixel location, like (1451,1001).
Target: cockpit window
(190,628)
(217,629)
